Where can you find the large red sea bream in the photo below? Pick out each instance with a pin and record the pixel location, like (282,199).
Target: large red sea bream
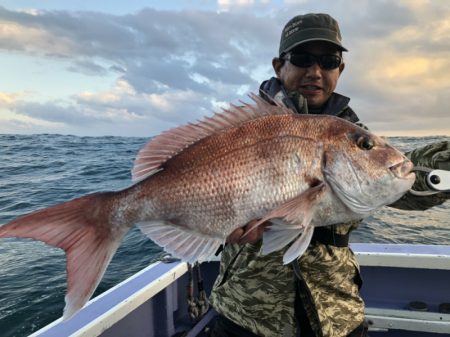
(197,183)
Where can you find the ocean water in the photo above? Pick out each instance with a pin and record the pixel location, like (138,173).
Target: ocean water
(37,171)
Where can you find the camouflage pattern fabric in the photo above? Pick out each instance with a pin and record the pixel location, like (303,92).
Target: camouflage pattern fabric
(256,292)
(330,292)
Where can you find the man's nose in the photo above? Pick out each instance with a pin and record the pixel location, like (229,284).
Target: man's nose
(314,70)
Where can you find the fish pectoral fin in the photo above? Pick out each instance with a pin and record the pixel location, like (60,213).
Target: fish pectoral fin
(299,246)
(181,242)
(290,219)
(279,235)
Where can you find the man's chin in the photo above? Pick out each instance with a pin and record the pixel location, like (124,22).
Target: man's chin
(314,103)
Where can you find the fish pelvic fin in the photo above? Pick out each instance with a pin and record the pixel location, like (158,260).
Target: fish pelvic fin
(81,227)
(181,242)
(288,221)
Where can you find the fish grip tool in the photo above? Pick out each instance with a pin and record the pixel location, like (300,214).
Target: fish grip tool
(437,181)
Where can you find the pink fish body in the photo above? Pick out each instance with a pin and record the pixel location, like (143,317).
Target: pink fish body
(197,183)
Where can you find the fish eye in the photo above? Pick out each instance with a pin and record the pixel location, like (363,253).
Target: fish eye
(365,143)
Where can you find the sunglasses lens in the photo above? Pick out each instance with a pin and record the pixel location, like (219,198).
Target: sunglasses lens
(326,62)
(302,60)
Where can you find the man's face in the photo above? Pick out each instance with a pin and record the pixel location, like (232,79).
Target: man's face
(314,83)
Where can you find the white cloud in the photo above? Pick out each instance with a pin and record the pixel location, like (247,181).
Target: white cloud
(170,67)
(15,36)
(10,119)
(226,5)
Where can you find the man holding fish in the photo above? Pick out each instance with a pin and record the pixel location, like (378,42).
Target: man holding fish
(318,294)
(226,177)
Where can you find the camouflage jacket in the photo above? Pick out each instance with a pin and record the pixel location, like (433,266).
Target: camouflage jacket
(258,292)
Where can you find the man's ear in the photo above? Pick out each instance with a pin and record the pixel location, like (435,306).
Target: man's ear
(277,64)
(341,68)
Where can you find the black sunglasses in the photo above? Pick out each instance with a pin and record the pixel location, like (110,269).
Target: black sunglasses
(305,60)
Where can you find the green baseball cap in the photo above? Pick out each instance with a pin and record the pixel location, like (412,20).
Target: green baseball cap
(310,27)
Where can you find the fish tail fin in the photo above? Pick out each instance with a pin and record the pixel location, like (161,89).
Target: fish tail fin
(83,229)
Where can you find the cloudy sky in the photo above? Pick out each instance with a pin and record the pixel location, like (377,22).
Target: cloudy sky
(136,68)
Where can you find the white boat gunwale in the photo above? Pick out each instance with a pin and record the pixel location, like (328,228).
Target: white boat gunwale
(105,310)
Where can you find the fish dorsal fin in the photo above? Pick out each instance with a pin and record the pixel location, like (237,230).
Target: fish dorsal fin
(169,143)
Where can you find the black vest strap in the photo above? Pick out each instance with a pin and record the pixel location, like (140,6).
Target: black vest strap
(329,237)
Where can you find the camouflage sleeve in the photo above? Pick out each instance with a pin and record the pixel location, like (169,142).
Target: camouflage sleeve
(435,156)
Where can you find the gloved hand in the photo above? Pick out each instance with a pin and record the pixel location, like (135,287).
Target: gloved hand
(435,155)
(440,156)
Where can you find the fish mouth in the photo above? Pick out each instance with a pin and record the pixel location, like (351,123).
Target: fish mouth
(403,170)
